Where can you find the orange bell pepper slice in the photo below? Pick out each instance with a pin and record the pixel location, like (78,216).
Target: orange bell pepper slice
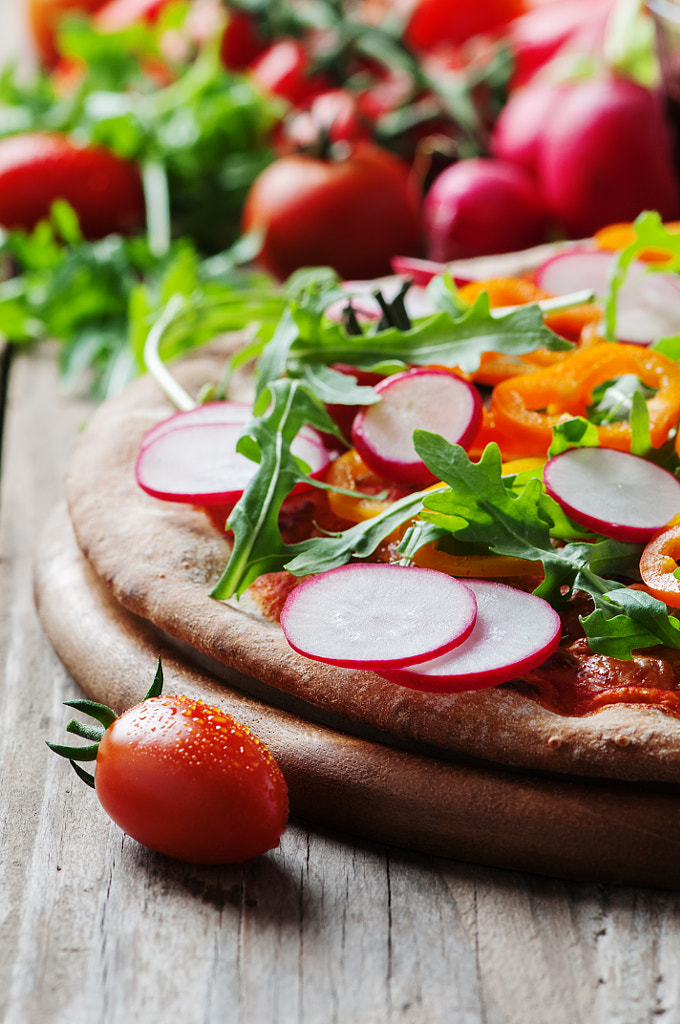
(615,237)
(524,409)
(658,563)
(503,291)
(350,472)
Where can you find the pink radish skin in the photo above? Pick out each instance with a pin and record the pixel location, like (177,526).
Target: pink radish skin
(210,412)
(375,615)
(420,271)
(613,493)
(514,633)
(605,156)
(516,135)
(429,399)
(198,463)
(648,305)
(416,302)
(479,207)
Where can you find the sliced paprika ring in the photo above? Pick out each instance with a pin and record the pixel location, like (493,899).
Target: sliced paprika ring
(659,563)
(376,615)
(613,493)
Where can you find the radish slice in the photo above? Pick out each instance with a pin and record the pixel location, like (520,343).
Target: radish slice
(210,412)
(198,464)
(420,271)
(648,304)
(576,269)
(514,633)
(613,493)
(427,398)
(375,615)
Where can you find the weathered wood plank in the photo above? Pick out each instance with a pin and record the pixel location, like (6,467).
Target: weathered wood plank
(95,929)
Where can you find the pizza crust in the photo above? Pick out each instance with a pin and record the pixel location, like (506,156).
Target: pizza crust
(160,560)
(555,825)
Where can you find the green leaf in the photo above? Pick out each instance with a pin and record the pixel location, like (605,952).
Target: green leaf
(574,433)
(156,688)
(101,712)
(258,547)
(625,620)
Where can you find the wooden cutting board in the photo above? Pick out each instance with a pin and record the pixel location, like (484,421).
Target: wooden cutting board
(553,825)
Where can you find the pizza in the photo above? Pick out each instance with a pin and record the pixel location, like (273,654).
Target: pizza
(576,714)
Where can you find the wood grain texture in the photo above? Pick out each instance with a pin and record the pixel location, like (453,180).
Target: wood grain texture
(325,930)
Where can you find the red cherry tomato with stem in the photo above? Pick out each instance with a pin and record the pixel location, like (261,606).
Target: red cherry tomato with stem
(352,214)
(182,778)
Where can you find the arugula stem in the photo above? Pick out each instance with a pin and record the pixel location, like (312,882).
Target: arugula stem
(157,200)
(155,365)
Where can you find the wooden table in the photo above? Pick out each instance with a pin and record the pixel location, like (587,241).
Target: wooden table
(325,930)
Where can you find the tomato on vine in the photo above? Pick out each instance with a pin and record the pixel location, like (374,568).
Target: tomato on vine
(182,778)
(352,213)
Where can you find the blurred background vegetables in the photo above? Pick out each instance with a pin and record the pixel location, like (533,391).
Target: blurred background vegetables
(235,141)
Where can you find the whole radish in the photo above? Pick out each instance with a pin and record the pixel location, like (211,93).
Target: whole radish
(605,155)
(517,134)
(482,206)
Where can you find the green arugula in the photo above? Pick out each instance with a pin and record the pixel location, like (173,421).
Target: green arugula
(479,507)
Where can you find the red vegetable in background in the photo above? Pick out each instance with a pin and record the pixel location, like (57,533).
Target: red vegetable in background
(546,30)
(482,206)
(516,136)
(433,22)
(284,69)
(352,214)
(37,168)
(605,156)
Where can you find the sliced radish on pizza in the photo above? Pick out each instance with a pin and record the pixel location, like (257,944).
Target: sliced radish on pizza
(209,412)
(424,398)
(514,632)
(375,615)
(648,303)
(195,461)
(613,493)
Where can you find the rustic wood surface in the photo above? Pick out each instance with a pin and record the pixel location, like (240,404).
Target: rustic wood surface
(325,930)
(93,928)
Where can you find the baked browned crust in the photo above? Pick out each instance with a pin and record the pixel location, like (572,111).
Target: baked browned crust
(160,561)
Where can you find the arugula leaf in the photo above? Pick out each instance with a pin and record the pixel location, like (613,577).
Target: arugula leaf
(437,339)
(258,547)
(480,507)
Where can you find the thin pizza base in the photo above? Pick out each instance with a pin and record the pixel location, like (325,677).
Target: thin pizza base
(160,560)
(556,825)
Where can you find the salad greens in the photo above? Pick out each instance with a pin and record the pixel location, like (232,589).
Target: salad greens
(478,508)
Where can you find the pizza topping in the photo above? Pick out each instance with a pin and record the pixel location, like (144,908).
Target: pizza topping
(432,399)
(648,305)
(376,616)
(194,457)
(659,563)
(613,493)
(514,631)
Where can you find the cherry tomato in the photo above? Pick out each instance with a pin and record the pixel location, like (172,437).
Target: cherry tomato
(36,168)
(352,214)
(186,780)
(44,17)
(433,22)
(242,41)
(284,70)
